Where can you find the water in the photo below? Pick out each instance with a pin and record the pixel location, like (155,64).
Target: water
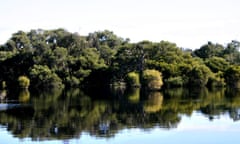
(121,116)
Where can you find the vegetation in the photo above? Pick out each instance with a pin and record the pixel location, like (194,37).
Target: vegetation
(133,79)
(58,58)
(232,76)
(53,59)
(152,79)
(43,77)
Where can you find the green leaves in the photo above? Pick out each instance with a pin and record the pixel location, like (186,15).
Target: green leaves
(152,79)
(232,76)
(133,79)
(71,59)
(217,64)
(43,77)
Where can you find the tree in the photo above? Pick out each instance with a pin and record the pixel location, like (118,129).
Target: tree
(209,50)
(107,54)
(217,64)
(232,76)
(43,77)
(231,52)
(217,80)
(102,55)
(124,61)
(199,75)
(105,37)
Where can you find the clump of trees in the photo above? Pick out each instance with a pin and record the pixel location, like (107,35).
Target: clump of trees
(58,58)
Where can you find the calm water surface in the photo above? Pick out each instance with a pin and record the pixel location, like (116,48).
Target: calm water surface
(121,116)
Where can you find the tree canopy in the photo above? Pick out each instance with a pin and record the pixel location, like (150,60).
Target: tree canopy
(54,58)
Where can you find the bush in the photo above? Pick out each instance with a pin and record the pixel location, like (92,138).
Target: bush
(23,81)
(133,79)
(152,79)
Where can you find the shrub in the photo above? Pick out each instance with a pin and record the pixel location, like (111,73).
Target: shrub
(152,79)
(23,81)
(133,79)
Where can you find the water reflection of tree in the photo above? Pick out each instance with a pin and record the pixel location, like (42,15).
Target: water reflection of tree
(66,114)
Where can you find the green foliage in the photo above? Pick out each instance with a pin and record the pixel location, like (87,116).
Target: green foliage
(199,75)
(5,55)
(133,79)
(174,81)
(231,52)
(107,54)
(217,80)
(72,81)
(152,79)
(209,50)
(43,77)
(125,61)
(104,38)
(23,81)
(232,76)
(75,60)
(91,59)
(217,64)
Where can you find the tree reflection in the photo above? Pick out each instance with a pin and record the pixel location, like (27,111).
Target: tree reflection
(133,95)
(64,114)
(154,102)
(24,95)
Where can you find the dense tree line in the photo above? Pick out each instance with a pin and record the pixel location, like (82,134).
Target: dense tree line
(57,58)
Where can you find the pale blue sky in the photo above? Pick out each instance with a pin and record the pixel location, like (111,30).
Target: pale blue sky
(189,23)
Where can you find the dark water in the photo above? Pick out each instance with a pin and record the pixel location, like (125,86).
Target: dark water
(121,116)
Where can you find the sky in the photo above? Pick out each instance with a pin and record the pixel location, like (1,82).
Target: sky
(188,23)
